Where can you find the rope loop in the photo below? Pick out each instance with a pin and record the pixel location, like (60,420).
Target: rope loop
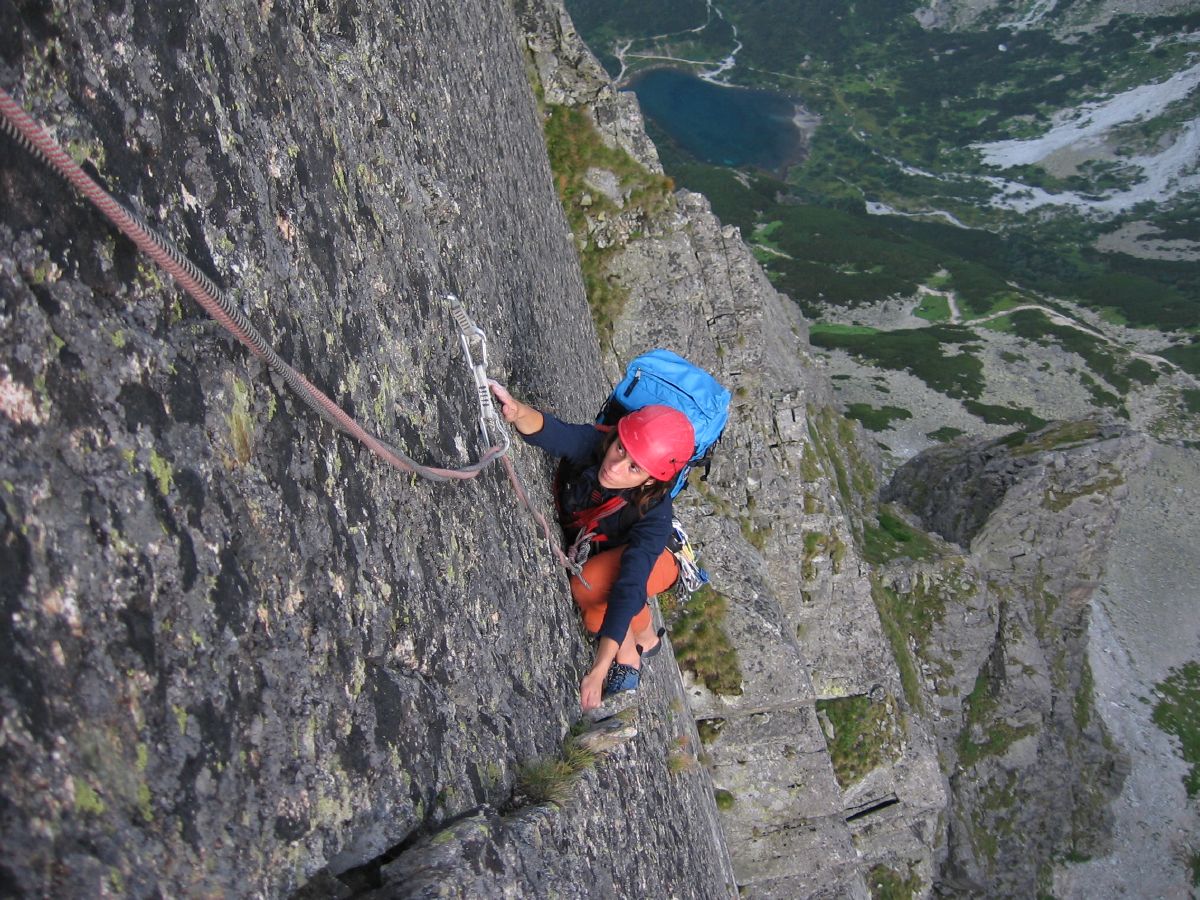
(35,138)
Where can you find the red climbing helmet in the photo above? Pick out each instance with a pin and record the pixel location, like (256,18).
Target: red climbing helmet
(660,440)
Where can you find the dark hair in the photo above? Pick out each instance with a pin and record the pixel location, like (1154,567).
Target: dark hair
(649,493)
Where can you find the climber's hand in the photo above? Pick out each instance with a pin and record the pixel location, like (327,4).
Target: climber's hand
(509,408)
(525,419)
(590,690)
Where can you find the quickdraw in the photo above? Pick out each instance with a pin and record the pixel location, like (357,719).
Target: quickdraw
(691,576)
(473,336)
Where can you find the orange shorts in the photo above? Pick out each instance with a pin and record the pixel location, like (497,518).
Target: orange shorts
(601,571)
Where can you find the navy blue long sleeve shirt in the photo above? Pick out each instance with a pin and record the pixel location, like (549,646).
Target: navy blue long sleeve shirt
(644,540)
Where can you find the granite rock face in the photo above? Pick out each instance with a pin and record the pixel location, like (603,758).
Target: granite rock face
(246,657)
(241,651)
(1032,769)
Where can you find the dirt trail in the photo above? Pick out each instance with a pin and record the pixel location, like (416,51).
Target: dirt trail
(1059,319)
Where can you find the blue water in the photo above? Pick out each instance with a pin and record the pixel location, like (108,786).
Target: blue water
(720,125)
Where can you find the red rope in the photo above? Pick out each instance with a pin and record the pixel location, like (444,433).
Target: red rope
(211,299)
(215,302)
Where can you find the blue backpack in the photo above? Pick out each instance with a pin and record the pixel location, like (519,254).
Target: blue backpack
(661,376)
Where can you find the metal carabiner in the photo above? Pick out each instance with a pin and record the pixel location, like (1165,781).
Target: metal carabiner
(472,336)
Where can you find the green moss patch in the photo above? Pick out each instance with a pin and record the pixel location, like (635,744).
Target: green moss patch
(885,883)
(1062,436)
(876,418)
(861,734)
(1003,415)
(1177,712)
(701,645)
(933,308)
(835,441)
(893,538)
(944,434)
(909,619)
(982,734)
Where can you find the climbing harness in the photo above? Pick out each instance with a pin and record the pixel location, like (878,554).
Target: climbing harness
(584,524)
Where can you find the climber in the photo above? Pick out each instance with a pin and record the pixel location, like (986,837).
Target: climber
(613,493)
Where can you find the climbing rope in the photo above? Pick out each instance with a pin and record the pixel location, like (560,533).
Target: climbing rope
(38,141)
(568,564)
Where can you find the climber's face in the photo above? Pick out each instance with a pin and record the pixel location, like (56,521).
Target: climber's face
(618,470)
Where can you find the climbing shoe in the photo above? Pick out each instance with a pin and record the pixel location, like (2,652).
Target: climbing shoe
(620,678)
(653,651)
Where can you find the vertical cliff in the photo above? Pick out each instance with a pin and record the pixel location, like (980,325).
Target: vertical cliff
(245,656)
(240,649)
(1003,657)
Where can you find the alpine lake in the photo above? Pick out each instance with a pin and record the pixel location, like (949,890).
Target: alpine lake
(721,125)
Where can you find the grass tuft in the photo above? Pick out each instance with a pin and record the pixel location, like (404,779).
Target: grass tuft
(885,883)
(546,781)
(861,734)
(550,780)
(574,147)
(701,645)
(1178,712)
(680,761)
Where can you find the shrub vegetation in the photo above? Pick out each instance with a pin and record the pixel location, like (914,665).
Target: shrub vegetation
(700,642)
(1178,713)
(919,351)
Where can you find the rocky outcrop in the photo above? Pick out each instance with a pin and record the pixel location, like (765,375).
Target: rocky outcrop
(247,657)
(1004,657)
(240,650)
(955,488)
